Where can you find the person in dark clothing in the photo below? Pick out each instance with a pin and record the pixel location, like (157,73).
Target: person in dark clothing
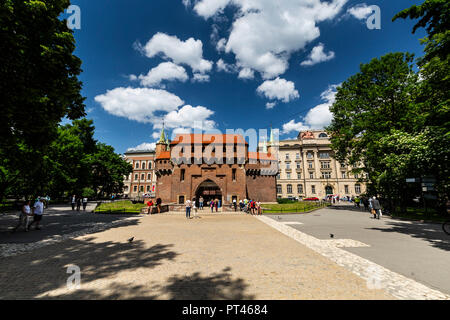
(377,207)
(78,204)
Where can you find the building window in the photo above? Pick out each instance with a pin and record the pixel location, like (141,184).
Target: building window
(182,175)
(279,189)
(356,176)
(143,176)
(346,190)
(287,156)
(135,188)
(233,174)
(309,155)
(143,165)
(310,164)
(288,175)
(313,189)
(300,188)
(136,176)
(181,200)
(148,188)
(137,165)
(297,156)
(149,176)
(323,135)
(299,176)
(344,175)
(324,155)
(289,188)
(149,164)
(141,188)
(299,165)
(288,165)
(325,164)
(311,175)
(357,188)
(326,175)
(125,188)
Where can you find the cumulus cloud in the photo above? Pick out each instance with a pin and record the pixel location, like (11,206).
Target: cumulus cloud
(226,67)
(189,52)
(220,46)
(318,117)
(164,71)
(246,73)
(318,55)
(138,104)
(188,117)
(279,89)
(270,105)
(360,11)
(265,33)
(198,77)
(146,146)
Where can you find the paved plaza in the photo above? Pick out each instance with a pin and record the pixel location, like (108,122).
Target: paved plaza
(219,256)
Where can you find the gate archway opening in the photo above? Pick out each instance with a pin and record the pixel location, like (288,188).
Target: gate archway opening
(209,190)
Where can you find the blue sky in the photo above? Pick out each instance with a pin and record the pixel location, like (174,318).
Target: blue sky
(142,61)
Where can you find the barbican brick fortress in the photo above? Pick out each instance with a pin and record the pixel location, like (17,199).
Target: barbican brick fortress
(213,166)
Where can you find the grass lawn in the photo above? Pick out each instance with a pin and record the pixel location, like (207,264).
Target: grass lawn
(292,207)
(120,207)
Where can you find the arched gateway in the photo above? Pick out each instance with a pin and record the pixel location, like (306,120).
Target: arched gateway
(209,190)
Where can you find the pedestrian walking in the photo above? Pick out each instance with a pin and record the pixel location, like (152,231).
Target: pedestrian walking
(211,205)
(200,203)
(194,208)
(235,205)
(258,207)
(377,207)
(73,202)
(85,202)
(38,211)
(24,217)
(216,204)
(188,209)
(78,204)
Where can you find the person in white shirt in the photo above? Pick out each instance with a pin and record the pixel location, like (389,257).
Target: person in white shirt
(38,211)
(194,207)
(85,201)
(24,216)
(188,208)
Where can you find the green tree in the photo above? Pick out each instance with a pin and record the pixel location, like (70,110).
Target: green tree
(109,170)
(369,105)
(38,87)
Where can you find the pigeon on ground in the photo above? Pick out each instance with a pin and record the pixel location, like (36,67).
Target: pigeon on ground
(331,235)
(131,240)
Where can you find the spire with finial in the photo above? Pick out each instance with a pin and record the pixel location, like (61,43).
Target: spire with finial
(162,139)
(271,136)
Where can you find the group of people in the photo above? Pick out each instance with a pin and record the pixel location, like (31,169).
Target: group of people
(154,207)
(31,215)
(78,201)
(250,206)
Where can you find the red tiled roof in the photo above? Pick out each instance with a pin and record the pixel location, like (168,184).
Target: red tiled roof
(163,155)
(208,138)
(261,156)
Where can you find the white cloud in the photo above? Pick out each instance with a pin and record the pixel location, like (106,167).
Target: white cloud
(265,33)
(186,3)
(318,55)
(280,89)
(156,134)
(198,77)
(164,71)
(360,11)
(189,52)
(138,104)
(146,146)
(188,117)
(318,117)
(270,105)
(210,7)
(223,66)
(246,73)
(221,44)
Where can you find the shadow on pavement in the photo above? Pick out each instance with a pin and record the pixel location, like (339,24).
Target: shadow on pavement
(432,233)
(29,275)
(218,286)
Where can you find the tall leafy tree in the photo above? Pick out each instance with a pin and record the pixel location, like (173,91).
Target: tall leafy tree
(369,105)
(38,86)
